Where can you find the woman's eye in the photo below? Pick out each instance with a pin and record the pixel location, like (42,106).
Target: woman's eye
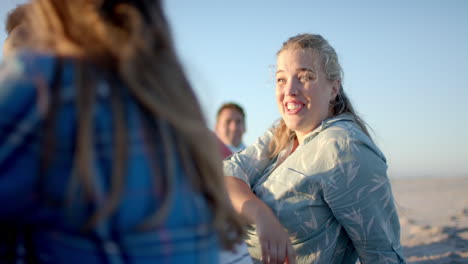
(303,78)
(280,81)
(307,77)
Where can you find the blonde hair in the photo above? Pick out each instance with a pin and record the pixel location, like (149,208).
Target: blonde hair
(131,40)
(332,69)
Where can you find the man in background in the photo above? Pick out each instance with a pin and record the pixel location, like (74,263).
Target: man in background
(230,126)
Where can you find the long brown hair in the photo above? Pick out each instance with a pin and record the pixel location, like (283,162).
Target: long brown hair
(332,68)
(131,39)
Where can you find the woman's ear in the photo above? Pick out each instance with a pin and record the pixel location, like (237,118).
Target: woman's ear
(336,85)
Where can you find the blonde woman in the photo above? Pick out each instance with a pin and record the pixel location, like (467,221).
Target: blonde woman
(104,154)
(315,187)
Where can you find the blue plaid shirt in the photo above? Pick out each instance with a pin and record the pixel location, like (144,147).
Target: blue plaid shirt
(37,225)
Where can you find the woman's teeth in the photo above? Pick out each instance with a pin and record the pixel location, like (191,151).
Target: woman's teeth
(292,106)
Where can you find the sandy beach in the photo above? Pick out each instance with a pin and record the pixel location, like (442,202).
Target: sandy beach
(434,219)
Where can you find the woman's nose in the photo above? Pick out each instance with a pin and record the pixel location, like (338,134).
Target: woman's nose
(291,88)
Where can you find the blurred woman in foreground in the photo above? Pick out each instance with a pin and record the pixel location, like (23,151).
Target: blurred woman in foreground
(104,153)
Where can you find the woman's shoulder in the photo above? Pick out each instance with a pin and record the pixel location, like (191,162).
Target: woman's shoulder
(341,128)
(30,65)
(23,74)
(344,129)
(344,134)
(29,61)
(25,68)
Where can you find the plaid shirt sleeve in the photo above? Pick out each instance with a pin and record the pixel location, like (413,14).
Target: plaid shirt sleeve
(19,121)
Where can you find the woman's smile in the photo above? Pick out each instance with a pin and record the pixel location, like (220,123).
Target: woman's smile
(293,107)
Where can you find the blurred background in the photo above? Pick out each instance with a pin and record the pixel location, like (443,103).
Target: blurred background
(405,65)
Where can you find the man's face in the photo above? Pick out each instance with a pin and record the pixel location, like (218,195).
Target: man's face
(230,127)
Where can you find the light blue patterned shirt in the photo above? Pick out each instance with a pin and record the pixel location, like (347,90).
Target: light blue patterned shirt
(332,195)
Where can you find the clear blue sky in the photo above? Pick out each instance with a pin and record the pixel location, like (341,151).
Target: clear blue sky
(405,64)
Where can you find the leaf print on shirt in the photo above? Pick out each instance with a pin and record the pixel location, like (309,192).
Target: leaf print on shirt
(312,223)
(360,191)
(354,233)
(385,227)
(387,198)
(354,147)
(388,260)
(369,226)
(321,146)
(355,218)
(279,207)
(332,183)
(351,173)
(379,182)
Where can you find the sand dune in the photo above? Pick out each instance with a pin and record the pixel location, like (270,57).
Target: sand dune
(434,219)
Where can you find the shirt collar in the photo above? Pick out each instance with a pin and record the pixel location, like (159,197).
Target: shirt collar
(236,149)
(325,124)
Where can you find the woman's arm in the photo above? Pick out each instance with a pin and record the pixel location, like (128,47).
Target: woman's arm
(18,138)
(249,164)
(359,194)
(242,171)
(274,240)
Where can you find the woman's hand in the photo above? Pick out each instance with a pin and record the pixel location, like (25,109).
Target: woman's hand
(274,240)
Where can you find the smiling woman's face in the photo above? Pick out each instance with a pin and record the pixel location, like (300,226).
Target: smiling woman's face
(303,93)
